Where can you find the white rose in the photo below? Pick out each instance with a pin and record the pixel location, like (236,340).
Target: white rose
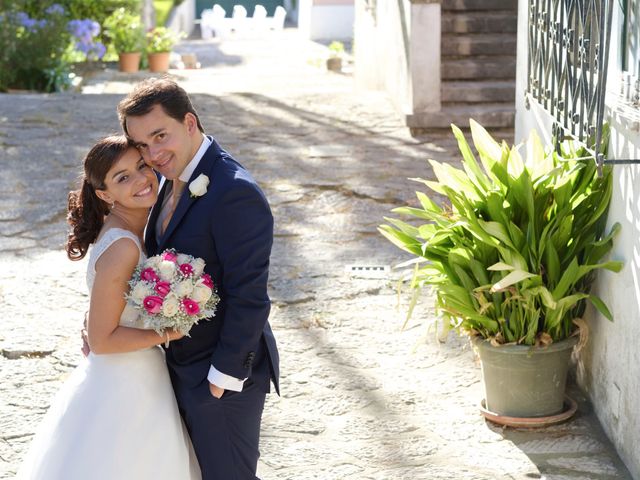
(182,258)
(198,266)
(184,288)
(153,262)
(201,294)
(140,291)
(199,186)
(167,270)
(170,306)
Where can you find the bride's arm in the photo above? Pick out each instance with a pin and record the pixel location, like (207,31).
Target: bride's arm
(113,271)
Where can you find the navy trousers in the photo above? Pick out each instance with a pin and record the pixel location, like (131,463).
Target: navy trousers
(225,432)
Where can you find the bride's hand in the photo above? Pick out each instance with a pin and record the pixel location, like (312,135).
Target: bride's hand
(173,334)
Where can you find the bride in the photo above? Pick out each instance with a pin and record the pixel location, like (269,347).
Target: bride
(116,417)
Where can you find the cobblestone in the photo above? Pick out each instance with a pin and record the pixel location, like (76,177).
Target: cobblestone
(361,398)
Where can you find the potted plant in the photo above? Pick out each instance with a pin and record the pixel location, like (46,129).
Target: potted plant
(160,42)
(127,36)
(336,52)
(512,256)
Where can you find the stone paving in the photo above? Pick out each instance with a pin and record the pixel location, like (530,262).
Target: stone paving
(361,398)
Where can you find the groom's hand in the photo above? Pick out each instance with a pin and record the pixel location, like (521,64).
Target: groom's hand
(85,336)
(215,390)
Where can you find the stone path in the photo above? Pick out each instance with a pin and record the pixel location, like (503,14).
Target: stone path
(361,398)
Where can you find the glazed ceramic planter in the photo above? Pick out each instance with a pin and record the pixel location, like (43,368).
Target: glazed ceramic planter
(524,381)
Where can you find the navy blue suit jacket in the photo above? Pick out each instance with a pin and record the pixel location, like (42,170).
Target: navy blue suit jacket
(231,228)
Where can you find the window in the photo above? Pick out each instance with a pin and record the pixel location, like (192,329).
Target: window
(630,36)
(629,49)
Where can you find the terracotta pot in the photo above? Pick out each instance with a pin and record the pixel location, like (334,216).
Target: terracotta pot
(334,64)
(129,62)
(159,62)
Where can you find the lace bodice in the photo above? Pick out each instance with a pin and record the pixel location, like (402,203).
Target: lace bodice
(129,315)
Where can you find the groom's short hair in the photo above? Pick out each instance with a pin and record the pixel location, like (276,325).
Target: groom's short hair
(156,91)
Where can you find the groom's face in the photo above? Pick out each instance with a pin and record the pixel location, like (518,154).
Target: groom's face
(166,144)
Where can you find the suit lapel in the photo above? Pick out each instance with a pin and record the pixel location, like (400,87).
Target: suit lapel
(150,241)
(186,200)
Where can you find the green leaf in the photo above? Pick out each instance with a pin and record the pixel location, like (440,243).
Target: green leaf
(500,266)
(405,228)
(511,279)
(552,264)
(601,306)
(401,240)
(569,277)
(470,161)
(485,144)
(427,203)
(414,212)
(498,231)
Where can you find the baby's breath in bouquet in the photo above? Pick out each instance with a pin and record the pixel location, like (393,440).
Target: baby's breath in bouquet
(171,290)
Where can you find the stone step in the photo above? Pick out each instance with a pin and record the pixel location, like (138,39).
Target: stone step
(493,67)
(455,44)
(487,115)
(478,91)
(489,22)
(479,5)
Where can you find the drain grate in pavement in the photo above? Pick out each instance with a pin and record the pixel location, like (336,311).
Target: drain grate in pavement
(368,271)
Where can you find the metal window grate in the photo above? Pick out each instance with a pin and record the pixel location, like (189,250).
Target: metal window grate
(567,67)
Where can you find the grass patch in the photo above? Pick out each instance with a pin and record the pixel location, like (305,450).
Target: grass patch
(163,7)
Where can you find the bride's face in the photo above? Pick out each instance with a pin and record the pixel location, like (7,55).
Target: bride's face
(130,182)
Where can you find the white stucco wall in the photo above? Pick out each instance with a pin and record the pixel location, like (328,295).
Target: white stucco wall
(182,18)
(608,368)
(326,19)
(397,49)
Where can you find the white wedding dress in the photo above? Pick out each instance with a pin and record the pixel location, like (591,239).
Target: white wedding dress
(116,417)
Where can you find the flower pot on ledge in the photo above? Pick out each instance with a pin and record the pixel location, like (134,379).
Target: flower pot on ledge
(159,62)
(334,64)
(129,62)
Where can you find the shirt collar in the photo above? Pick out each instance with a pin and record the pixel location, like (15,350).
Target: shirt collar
(191,166)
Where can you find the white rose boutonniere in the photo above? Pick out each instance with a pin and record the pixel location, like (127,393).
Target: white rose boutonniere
(199,186)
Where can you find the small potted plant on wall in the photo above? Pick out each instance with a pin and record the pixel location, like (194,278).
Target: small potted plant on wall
(336,52)
(127,36)
(511,256)
(160,42)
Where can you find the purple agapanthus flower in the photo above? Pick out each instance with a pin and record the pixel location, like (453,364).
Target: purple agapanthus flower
(55,9)
(84,31)
(26,21)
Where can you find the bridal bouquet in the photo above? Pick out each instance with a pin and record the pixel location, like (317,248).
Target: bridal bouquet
(171,290)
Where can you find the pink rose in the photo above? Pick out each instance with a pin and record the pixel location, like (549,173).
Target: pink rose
(149,275)
(207,281)
(170,256)
(186,269)
(162,288)
(152,304)
(191,307)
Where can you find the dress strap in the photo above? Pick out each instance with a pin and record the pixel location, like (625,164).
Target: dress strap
(108,238)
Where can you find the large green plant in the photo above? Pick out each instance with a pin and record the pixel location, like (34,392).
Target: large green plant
(512,253)
(161,39)
(32,49)
(125,31)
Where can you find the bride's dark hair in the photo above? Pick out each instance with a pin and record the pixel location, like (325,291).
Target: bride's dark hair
(86,211)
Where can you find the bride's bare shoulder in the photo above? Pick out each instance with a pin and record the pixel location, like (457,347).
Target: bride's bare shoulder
(121,255)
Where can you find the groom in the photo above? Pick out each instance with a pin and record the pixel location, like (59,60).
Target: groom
(210,207)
